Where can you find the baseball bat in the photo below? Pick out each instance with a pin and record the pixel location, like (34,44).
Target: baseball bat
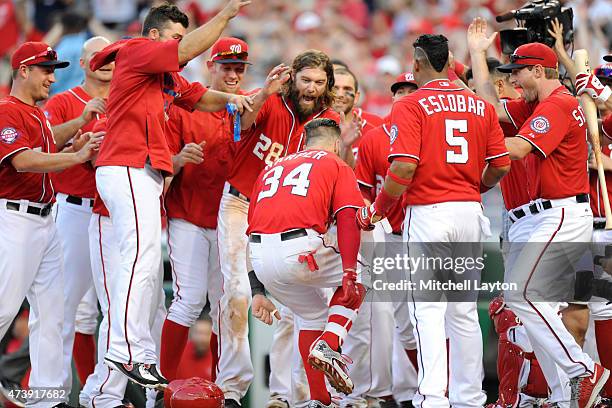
(581,62)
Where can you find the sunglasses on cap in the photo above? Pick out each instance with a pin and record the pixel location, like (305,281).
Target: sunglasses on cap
(514,58)
(51,55)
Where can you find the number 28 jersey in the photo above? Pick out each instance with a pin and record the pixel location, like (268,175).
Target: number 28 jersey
(302,190)
(276,133)
(451,134)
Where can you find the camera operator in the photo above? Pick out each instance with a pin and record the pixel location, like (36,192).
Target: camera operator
(551,125)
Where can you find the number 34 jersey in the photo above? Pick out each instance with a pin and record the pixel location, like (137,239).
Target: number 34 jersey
(302,190)
(451,134)
(276,133)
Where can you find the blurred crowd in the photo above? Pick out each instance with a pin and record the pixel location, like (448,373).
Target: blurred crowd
(372,36)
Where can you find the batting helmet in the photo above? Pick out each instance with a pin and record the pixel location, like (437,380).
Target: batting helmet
(193,393)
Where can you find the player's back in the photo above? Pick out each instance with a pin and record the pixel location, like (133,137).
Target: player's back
(302,190)
(450,133)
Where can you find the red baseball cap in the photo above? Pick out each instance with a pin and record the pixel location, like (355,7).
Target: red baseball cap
(229,50)
(403,79)
(36,53)
(528,55)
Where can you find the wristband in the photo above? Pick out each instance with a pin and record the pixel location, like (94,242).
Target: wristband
(257,288)
(384,201)
(484,188)
(452,76)
(399,180)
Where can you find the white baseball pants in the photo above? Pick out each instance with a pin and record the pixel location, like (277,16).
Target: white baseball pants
(72,222)
(196,272)
(235,369)
(31,266)
(434,322)
(132,196)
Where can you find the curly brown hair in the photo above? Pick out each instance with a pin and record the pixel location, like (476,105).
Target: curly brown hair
(312,59)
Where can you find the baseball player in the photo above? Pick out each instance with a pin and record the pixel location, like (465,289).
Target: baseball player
(552,125)
(30,253)
(371,168)
(346,89)
(274,129)
(293,202)
(202,144)
(71,111)
(441,138)
(135,158)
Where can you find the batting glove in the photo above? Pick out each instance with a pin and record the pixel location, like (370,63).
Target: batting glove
(590,84)
(352,292)
(364,217)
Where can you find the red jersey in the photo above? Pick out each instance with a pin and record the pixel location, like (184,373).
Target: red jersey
(275,133)
(145,83)
(24,127)
(522,184)
(9,26)
(450,133)
(302,190)
(78,180)
(371,169)
(195,193)
(557,131)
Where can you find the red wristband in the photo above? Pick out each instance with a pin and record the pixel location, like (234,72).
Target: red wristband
(384,201)
(398,179)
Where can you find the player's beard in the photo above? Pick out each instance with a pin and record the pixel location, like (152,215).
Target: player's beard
(302,112)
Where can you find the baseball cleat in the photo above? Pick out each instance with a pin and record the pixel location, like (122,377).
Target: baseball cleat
(585,390)
(139,373)
(12,392)
(333,364)
(319,404)
(276,401)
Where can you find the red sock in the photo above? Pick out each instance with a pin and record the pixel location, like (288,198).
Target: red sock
(412,356)
(603,336)
(316,378)
(340,320)
(84,355)
(174,338)
(214,349)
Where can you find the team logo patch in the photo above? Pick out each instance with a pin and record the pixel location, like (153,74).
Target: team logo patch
(393,134)
(539,124)
(8,135)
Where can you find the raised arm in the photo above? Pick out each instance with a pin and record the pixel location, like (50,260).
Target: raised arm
(478,44)
(203,37)
(274,82)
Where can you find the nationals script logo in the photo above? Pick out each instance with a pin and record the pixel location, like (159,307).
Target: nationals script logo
(539,124)
(8,135)
(393,134)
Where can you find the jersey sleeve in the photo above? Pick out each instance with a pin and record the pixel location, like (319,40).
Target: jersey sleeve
(405,133)
(497,155)
(190,93)
(364,169)
(545,128)
(13,137)
(175,130)
(518,111)
(153,57)
(346,190)
(55,110)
